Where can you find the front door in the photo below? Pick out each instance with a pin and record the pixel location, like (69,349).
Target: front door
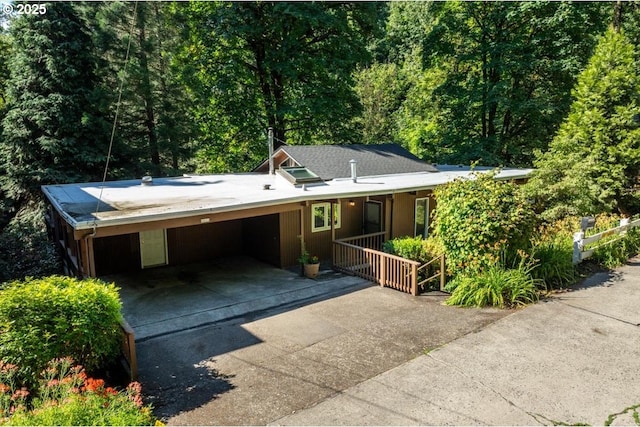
(153,248)
(372,217)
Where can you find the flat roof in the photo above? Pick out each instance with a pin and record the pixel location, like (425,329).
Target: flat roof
(129,202)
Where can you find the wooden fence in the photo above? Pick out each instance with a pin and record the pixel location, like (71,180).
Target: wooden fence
(580,241)
(385,269)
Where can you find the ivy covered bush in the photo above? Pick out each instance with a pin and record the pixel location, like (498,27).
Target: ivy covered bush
(479,220)
(52,317)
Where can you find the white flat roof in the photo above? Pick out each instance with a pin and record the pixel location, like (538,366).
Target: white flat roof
(129,202)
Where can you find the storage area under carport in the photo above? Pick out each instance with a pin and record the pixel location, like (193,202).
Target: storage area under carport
(268,238)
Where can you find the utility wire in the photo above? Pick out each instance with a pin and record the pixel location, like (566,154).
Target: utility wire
(115,118)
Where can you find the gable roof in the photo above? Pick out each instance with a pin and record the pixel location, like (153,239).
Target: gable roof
(332,161)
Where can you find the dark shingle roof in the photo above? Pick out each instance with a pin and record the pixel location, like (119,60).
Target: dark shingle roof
(332,161)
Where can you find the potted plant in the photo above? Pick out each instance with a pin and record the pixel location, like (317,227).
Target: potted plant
(310,263)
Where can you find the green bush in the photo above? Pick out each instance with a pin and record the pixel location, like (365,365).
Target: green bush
(406,247)
(478,220)
(552,250)
(65,395)
(616,252)
(43,319)
(494,286)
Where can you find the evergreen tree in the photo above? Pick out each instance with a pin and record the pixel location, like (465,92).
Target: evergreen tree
(51,132)
(593,163)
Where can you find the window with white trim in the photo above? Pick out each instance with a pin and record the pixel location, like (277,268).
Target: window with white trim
(320,214)
(422,217)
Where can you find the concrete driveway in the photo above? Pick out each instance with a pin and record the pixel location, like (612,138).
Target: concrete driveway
(258,368)
(373,356)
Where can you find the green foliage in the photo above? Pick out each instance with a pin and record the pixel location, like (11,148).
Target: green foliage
(406,247)
(553,253)
(43,319)
(617,251)
(488,81)
(25,249)
(594,160)
(66,396)
(52,131)
(479,219)
(288,65)
(494,286)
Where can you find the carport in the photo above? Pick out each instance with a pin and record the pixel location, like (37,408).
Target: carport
(170,299)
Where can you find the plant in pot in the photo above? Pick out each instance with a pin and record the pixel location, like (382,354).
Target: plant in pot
(310,263)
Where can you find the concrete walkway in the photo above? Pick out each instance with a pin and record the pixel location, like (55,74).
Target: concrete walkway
(375,356)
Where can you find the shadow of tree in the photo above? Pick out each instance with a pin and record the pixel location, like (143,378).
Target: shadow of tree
(175,374)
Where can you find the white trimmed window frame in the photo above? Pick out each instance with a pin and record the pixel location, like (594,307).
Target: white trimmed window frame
(325,208)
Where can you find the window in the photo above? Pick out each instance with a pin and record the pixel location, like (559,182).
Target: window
(320,213)
(422,217)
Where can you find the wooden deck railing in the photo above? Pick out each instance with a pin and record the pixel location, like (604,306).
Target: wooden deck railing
(369,241)
(432,272)
(385,269)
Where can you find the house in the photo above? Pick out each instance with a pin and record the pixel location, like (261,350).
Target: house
(314,195)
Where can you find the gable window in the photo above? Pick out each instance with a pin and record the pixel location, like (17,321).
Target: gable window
(422,217)
(320,214)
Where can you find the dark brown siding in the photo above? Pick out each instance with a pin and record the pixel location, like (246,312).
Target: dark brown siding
(289,240)
(261,238)
(204,242)
(351,219)
(117,254)
(404,205)
(403,212)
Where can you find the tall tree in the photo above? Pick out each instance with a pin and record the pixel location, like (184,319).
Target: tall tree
(274,64)
(51,133)
(593,163)
(154,129)
(496,77)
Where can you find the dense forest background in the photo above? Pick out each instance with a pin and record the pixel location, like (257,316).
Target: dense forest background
(195,85)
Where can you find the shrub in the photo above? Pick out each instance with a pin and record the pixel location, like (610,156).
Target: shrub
(66,396)
(43,319)
(25,249)
(553,251)
(406,247)
(494,286)
(479,219)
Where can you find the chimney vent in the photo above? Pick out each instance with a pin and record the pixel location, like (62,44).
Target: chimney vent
(354,172)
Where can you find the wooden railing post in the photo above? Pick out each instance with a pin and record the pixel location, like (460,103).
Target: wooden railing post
(383,270)
(414,280)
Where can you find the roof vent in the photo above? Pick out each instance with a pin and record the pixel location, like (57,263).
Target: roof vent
(354,172)
(146,180)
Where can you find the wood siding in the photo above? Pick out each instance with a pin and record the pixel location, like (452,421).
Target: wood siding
(403,215)
(204,242)
(261,238)
(290,247)
(116,254)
